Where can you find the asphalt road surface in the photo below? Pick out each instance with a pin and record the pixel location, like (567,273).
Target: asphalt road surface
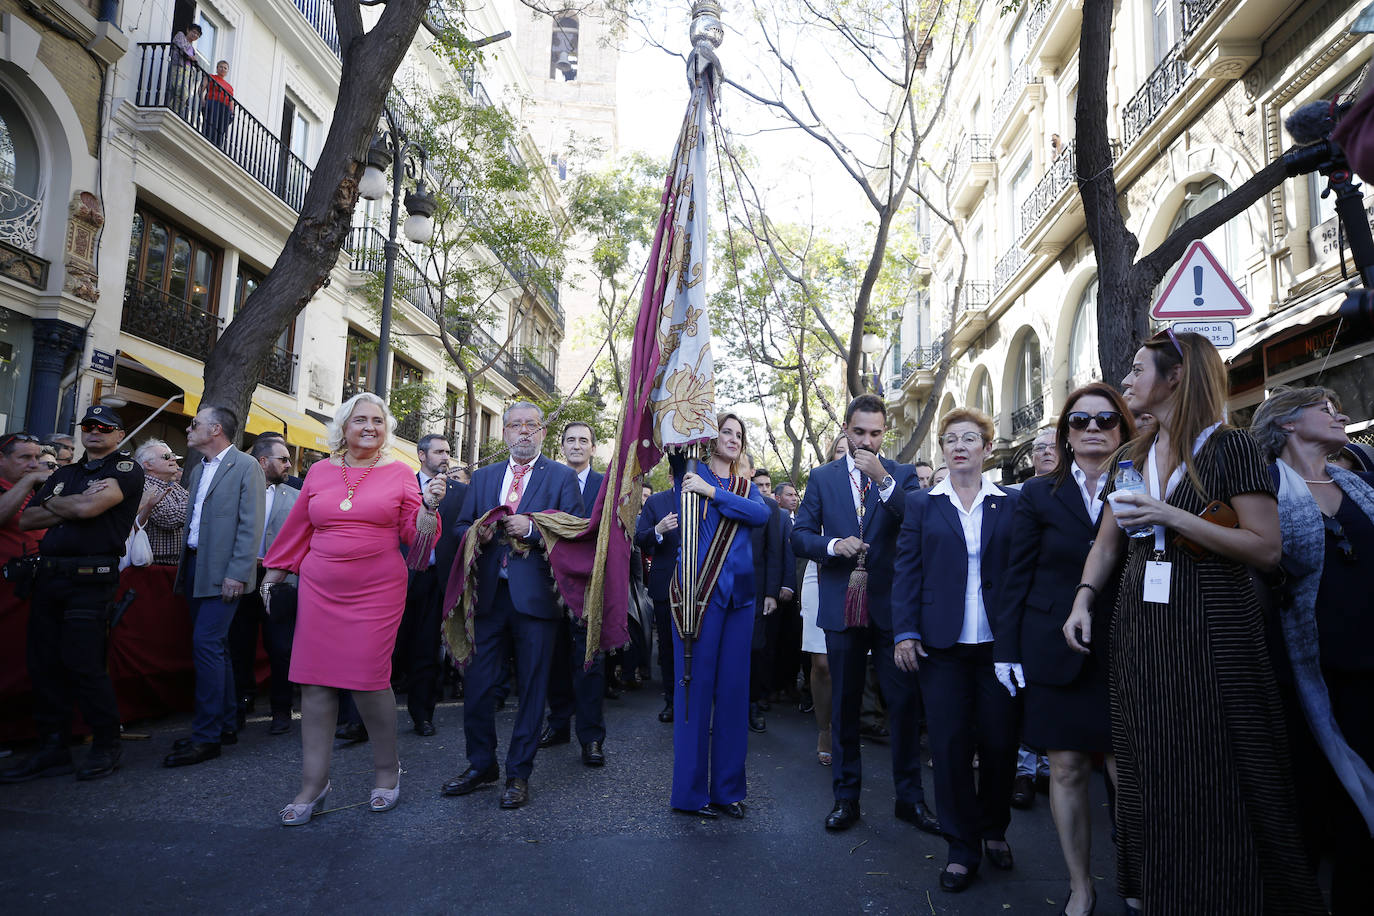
(206,839)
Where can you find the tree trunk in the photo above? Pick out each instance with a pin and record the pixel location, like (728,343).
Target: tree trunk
(369,61)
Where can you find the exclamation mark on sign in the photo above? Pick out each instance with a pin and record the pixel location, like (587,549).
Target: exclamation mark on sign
(1197,286)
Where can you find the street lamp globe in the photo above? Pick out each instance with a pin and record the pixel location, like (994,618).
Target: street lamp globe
(373,184)
(419,225)
(871,343)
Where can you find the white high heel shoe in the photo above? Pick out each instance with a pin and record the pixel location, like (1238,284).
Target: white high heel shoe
(293,815)
(386,799)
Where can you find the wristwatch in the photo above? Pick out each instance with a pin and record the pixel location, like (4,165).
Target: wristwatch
(887,482)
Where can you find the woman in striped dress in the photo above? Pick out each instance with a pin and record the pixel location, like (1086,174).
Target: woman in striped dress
(1206,818)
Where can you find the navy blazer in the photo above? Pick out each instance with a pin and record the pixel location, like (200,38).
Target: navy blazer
(827,511)
(766,543)
(789,557)
(532,590)
(932,567)
(1052,534)
(590,491)
(662,554)
(450,509)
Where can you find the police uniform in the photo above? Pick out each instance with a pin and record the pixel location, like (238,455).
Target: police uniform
(78,574)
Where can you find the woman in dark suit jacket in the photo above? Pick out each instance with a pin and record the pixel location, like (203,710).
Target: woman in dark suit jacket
(952,555)
(1068,705)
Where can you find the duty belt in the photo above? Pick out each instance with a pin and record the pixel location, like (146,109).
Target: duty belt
(79,566)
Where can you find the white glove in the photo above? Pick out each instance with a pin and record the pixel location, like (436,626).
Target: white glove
(1010,675)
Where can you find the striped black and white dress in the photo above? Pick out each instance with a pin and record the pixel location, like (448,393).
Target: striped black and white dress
(1206,817)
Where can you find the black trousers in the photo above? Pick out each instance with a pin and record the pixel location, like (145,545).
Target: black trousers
(663,624)
(278,631)
(418,644)
(761,656)
(968,712)
(787,649)
(573,688)
(67,640)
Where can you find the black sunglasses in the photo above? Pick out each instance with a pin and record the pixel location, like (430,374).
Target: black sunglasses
(1107,419)
(1343,544)
(91,426)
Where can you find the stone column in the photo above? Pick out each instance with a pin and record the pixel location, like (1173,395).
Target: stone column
(54,342)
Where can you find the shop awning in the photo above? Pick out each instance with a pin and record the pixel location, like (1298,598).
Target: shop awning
(407,455)
(1321,306)
(260,420)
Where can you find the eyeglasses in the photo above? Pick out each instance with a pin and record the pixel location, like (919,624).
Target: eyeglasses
(92,426)
(50,465)
(1167,333)
(1107,419)
(970,439)
(1327,408)
(522,425)
(1042,449)
(18,437)
(1343,544)
(168,456)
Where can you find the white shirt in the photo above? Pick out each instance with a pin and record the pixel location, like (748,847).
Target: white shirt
(1092,494)
(976,628)
(266,519)
(207,475)
(506,482)
(855,491)
(582,478)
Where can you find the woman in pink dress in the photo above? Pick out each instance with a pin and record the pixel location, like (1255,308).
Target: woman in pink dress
(342,538)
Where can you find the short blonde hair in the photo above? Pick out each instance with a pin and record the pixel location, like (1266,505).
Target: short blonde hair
(336,426)
(968,415)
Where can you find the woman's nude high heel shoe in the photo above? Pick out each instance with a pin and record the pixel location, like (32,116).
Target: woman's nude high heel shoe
(386,799)
(293,815)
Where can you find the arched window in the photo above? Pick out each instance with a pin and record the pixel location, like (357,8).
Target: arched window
(1083,363)
(563,48)
(982,394)
(1028,389)
(20,206)
(1222,242)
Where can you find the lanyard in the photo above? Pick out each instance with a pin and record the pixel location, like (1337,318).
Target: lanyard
(1174,478)
(862,491)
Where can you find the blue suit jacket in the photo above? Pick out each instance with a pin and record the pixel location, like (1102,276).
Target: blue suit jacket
(590,491)
(551,486)
(827,511)
(932,567)
(663,555)
(735,587)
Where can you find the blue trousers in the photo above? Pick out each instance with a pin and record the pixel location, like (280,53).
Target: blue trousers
(216,703)
(709,748)
(573,689)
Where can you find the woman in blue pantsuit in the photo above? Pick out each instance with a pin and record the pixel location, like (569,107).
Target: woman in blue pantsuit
(711,729)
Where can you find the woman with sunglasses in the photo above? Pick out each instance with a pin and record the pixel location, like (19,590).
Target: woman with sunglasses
(1067,707)
(1206,820)
(1326,515)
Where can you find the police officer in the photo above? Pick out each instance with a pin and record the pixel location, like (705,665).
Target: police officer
(88,509)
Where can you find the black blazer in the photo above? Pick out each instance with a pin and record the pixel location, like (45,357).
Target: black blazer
(766,541)
(663,556)
(447,548)
(1052,534)
(931,568)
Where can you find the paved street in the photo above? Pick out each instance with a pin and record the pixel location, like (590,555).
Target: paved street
(205,838)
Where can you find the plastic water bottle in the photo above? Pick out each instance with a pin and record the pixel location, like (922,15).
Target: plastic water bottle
(1128,480)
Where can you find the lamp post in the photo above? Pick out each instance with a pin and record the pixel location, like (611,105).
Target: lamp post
(391,148)
(872,345)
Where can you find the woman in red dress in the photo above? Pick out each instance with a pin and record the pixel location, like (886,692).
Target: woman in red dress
(341,538)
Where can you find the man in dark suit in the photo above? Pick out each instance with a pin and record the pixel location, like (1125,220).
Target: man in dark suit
(517,605)
(768,580)
(418,639)
(831,530)
(292,480)
(657,535)
(786,658)
(574,688)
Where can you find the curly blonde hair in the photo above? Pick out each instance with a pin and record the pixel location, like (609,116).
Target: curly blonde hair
(336,426)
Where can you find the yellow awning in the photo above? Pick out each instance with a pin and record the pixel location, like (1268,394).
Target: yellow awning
(260,420)
(407,455)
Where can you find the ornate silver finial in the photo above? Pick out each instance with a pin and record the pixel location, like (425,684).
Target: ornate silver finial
(706,25)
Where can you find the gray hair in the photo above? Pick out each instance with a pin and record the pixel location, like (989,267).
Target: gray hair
(336,426)
(522,405)
(1281,408)
(149,445)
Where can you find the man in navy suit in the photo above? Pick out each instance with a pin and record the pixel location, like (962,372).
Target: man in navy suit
(573,688)
(657,535)
(419,637)
(855,505)
(517,604)
(769,555)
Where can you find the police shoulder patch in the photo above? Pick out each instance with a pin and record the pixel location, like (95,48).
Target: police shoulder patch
(57,488)
(124,466)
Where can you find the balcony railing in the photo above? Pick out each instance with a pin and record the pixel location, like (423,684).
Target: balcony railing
(320,14)
(367,254)
(1195,12)
(970,149)
(920,358)
(280,371)
(164,319)
(977,295)
(352,387)
(1167,81)
(1028,416)
(19,215)
(164,81)
(531,368)
(1061,174)
(1020,79)
(1007,266)
(485,347)
(1039,15)
(408,427)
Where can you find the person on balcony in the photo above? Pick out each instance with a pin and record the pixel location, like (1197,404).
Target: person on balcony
(219,104)
(183,71)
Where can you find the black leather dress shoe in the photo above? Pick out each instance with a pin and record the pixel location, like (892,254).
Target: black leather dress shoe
(225,738)
(516,794)
(471,779)
(551,736)
(703,811)
(593,755)
(666,713)
(734,809)
(756,720)
(52,759)
(1023,791)
(1000,858)
(102,762)
(844,815)
(878,733)
(918,815)
(351,732)
(426,729)
(193,754)
(281,724)
(954,882)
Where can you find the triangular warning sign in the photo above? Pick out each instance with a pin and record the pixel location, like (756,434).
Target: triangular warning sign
(1200,288)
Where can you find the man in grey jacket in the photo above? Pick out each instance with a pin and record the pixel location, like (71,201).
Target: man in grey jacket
(223,532)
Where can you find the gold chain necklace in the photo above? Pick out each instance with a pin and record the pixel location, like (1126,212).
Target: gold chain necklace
(347,502)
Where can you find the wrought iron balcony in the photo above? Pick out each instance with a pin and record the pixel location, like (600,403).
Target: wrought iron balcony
(970,149)
(1007,266)
(918,359)
(486,348)
(367,254)
(408,427)
(1039,15)
(320,15)
(164,319)
(19,215)
(1027,417)
(1195,12)
(529,367)
(1166,82)
(280,371)
(164,81)
(1006,103)
(977,295)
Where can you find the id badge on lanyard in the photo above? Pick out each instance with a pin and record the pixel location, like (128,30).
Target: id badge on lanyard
(1158,571)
